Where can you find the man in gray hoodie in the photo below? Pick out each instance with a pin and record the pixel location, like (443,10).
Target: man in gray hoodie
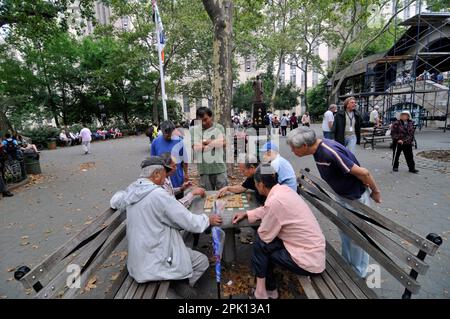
(156,250)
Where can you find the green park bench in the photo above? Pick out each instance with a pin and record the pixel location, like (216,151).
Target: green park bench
(382,238)
(375,135)
(89,248)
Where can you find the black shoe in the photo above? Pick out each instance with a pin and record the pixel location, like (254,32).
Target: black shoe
(7,194)
(395,169)
(414,171)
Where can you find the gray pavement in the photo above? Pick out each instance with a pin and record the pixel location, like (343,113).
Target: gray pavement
(76,188)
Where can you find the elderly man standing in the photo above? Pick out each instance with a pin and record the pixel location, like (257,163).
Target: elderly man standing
(284,169)
(208,145)
(402,133)
(289,234)
(156,250)
(341,170)
(167,142)
(347,125)
(374,119)
(328,120)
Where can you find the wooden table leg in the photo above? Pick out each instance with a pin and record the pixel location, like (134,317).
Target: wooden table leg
(229,249)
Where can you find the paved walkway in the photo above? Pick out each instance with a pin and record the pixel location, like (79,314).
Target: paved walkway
(76,188)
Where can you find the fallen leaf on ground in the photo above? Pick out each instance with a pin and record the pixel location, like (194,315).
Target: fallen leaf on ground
(115,276)
(10,269)
(24,237)
(91,283)
(24,243)
(35,246)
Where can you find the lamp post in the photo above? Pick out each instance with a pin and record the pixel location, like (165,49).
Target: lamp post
(102,114)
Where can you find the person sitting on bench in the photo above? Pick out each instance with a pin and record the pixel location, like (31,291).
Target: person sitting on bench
(247,166)
(156,250)
(289,234)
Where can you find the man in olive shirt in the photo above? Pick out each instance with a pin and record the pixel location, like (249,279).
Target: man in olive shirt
(208,145)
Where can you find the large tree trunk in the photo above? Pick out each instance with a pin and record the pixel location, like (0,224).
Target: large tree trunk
(305,98)
(5,124)
(221,14)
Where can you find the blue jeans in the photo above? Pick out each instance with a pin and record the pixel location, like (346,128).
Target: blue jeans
(328,135)
(351,252)
(350,143)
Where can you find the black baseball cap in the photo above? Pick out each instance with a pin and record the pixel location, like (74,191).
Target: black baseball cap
(154,160)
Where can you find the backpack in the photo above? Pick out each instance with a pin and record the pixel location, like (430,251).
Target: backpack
(267,119)
(11,148)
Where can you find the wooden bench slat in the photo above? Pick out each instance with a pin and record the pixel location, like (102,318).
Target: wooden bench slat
(340,283)
(58,283)
(399,274)
(117,283)
(132,290)
(333,287)
(124,288)
(150,291)
(403,232)
(322,287)
(140,291)
(162,291)
(400,252)
(353,278)
(35,274)
(310,292)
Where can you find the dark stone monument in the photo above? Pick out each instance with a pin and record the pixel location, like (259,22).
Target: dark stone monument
(259,107)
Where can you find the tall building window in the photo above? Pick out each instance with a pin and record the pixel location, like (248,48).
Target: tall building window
(394,7)
(293,74)
(186,107)
(247,65)
(315,77)
(210,102)
(302,75)
(282,72)
(125,23)
(417,7)
(198,103)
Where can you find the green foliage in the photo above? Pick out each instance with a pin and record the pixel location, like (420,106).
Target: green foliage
(41,135)
(318,99)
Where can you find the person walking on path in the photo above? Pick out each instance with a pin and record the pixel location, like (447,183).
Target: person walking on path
(86,138)
(374,119)
(341,170)
(174,145)
(293,121)
(284,124)
(208,147)
(402,132)
(306,120)
(347,125)
(328,120)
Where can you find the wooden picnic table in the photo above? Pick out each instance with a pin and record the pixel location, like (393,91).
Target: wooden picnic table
(249,201)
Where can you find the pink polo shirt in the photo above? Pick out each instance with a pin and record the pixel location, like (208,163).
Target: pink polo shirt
(286,215)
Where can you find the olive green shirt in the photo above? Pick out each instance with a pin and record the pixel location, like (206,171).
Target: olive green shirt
(212,161)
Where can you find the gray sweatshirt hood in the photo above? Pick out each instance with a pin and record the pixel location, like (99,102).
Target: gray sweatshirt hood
(133,194)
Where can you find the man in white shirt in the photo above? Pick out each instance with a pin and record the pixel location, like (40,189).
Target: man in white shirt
(375,116)
(327,123)
(86,138)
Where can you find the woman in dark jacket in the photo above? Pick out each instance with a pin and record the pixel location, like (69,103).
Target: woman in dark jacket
(347,125)
(402,132)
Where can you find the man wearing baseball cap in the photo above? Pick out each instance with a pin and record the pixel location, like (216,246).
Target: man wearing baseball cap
(156,250)
(402,132)
(284,169)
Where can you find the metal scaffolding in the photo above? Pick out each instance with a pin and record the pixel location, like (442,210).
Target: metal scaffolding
(380,83)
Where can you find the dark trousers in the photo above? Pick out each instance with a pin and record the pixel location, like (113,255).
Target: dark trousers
(283,130)
(266,256)
(2,184)
(407,151)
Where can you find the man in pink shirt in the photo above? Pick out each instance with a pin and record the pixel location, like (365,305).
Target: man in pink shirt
(289,234)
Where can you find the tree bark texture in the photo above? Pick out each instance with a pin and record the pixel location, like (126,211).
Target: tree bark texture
(221,14)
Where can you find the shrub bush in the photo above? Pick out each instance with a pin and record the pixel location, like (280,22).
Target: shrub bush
(40,135)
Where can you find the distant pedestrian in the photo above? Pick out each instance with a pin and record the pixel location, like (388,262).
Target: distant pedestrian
(347,125)
(402,132)
(86,138)
(306,120)
(328,120)
(284,124)
(374,119)
(293,121)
